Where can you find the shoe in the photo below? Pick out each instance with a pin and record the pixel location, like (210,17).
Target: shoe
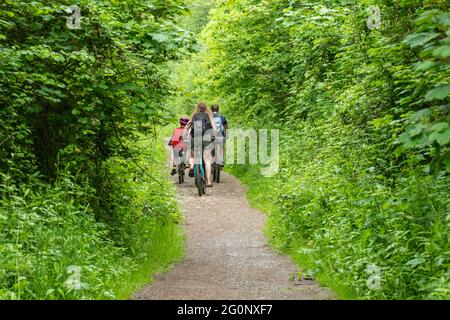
(188,166)
(191,173)
(209,185)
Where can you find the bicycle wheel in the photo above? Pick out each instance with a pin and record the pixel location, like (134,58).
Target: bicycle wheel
(217,173)
(183,172)
(180,170)
(198,180)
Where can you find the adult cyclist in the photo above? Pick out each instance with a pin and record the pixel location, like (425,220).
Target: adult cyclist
(221,125)
(204,118)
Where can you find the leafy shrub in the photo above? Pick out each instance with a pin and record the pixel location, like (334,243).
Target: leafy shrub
(47,233)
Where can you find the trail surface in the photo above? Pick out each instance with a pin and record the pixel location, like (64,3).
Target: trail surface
(227,255)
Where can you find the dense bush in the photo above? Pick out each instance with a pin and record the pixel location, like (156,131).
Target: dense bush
(77,186)
(364,121)
(68,93)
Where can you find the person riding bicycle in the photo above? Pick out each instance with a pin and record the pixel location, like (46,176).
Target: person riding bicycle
(221,125)
(202,121)
(177,143)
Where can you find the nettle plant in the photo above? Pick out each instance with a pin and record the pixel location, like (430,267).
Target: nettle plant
(429,128)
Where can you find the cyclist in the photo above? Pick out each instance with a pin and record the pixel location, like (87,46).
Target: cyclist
(221,125)
(201,115)
(177,143)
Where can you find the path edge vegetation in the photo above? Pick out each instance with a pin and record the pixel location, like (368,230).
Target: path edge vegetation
(167,237)
(255,185)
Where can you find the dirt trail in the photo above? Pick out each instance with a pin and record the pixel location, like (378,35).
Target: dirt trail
(227,255)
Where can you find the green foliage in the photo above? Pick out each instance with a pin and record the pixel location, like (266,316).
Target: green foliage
(198,16)
(364,133)
(429,78)
(48,229)
(74,104)
(83,87)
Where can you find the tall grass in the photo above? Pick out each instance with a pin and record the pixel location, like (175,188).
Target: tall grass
(54,246)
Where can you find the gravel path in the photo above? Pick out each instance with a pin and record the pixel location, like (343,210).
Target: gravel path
(227,255)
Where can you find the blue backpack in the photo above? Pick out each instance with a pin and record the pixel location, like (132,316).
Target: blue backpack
(218,122)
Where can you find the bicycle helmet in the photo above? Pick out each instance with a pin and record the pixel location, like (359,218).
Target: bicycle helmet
(184,121)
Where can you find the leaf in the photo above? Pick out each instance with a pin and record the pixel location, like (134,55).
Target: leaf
(439,93)
(83,120)
(160,37)
(444,19)
(47,17)
(420,39)
(442,52)
(424,65)
(419,115)
(406,140)
(399,151)
(443,138)
(49,292)
(415,262)
(439,127)
(415,131)
(426,17)
(446,162)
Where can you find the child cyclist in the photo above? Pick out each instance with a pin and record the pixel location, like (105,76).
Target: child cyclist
(178,144)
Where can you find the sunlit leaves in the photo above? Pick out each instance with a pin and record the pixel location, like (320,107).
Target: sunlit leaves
(442,52)
(425,65)
(439,93)
(420,39)
(430,81)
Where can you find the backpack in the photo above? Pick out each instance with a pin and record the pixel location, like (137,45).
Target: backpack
(177,134)
(204,119)
(218,122)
